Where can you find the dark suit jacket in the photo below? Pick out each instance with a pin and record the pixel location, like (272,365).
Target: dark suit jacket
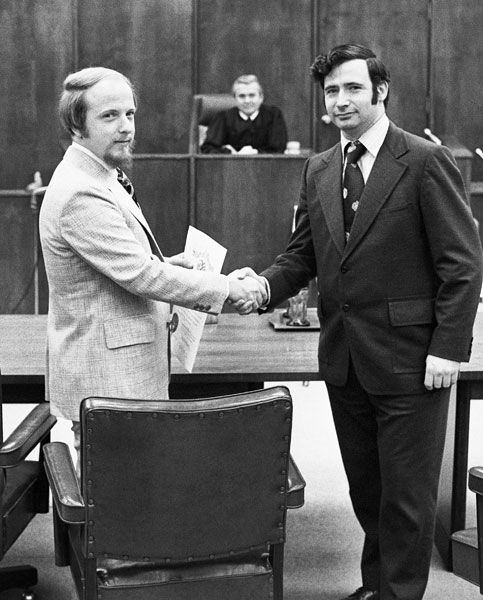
(407,283)
(267,133)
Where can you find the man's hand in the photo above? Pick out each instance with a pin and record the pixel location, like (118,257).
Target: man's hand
(180,260)
(244,307)
(248,150)
(440,372)
(246,293)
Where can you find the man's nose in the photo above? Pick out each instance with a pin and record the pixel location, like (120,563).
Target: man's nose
(342,98)
(126,123)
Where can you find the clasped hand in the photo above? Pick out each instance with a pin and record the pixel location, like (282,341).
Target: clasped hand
(247,290)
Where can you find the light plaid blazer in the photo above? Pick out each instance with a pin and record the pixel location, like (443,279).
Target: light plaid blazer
(109,290)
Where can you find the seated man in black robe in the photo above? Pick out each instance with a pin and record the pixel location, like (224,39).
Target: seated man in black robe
(250,127)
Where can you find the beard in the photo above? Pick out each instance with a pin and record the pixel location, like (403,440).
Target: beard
(119,156)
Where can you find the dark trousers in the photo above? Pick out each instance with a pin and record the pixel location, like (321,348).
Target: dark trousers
(392,448)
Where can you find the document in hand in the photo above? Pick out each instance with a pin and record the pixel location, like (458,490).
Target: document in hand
(207,255)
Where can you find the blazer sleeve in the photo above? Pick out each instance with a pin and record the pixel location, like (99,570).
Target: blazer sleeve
(96,230)
(294,268)
(456,254)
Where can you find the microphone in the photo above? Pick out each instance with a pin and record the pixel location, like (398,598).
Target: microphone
(479,151)
(325,119)
(432,137)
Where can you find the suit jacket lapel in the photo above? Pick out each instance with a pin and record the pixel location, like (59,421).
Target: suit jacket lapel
(385,174)
(328,181)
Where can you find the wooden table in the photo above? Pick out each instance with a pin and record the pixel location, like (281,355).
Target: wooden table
(241,353)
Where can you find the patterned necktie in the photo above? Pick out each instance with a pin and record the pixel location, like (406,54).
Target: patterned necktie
(353,184)
(126,184)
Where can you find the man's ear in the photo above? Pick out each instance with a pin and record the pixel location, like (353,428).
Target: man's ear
(382,91)
(77,134)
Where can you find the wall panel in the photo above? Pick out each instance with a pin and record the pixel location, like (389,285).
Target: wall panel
(270,39)
(35,55)
(150,42)
(246,204)
(397,32)
(162,189)
(457,52)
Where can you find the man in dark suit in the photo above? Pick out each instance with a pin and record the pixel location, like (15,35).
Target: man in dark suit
(250,127)
(393,244)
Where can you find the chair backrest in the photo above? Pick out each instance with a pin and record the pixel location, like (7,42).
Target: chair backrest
(185,480)
(205,107)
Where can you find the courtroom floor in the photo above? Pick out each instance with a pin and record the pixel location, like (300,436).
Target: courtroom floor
(323,538)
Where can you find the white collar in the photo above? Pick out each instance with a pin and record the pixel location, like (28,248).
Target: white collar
(373,138)
(245,117)
(111,170)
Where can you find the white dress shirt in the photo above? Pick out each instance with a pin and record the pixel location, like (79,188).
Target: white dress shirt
(372,139)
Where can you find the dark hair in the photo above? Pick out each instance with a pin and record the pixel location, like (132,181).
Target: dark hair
(324,63)
(72,106)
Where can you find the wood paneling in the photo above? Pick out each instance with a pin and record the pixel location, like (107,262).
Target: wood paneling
(397,32)
(162,189)
(150,42)
(16,254)
(457,90)
(35,56)
(246,204)
(269,39)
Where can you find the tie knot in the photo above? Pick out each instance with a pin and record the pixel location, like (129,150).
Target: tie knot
(354,151)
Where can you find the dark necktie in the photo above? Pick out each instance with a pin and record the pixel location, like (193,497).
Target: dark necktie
(353,184)
(126,184)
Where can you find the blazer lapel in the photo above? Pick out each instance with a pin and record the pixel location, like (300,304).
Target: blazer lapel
(385,174)
(328,181)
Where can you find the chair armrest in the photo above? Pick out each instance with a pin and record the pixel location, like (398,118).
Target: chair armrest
(296,486)
(475,480)
(27,435)
(64,483)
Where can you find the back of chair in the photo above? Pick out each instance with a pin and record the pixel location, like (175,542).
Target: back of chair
(178,480)
(205,107)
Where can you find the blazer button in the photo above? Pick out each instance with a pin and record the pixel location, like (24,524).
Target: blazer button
(344,269)
(345,308)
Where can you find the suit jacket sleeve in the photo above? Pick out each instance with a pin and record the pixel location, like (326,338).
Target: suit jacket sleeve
(456,254)
(293,269)
(95,228)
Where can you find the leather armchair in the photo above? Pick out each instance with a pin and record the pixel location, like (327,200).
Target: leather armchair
(178,499)
(24,489)
(205,107)
(467,545)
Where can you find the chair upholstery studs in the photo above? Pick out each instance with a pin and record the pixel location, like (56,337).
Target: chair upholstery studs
(90,554)
(168,560)
(145,557)
(280,539)
(221,415)
(190,559)
(125,556)
(89,446)
(154,415)
(91,416)
(282,488)
(287,405)
(202,415)
(280,525)
(283,472)
(91,538)
(129,415)
(89,463)
(89,482)
(212,556)
(90,502)
(176,417)
(89,430)
(91,522)
(285,438)
(288,420)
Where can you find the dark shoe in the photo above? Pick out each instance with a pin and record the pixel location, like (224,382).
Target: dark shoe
(363,593)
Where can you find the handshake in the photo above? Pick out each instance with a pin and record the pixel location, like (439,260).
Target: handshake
(247,291)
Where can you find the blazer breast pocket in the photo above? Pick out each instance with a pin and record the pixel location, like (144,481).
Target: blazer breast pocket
(129,331)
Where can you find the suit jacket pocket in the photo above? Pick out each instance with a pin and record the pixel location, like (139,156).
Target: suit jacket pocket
(411,311)
(413,322)
(129,331)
